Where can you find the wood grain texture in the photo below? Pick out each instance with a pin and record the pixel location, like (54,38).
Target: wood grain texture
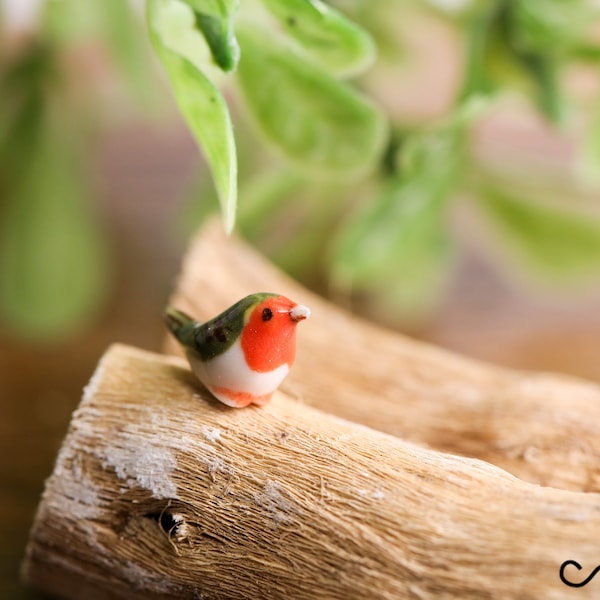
(161,492)
(542,428)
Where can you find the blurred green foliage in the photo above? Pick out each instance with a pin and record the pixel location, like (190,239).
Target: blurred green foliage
(54,267)
(385,186)
(333,187)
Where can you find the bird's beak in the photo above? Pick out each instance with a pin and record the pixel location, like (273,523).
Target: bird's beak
(299,313)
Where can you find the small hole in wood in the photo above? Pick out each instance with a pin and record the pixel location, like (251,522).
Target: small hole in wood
(169,522)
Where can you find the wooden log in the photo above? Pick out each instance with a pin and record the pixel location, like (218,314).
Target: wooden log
(543,428)
(161,492)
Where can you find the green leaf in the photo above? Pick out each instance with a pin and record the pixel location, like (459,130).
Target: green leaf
(436,153)
(53,269)
(315,120)
(556,244)
(540,35)
(523,44)
(397,241)
(207,115)
(214,18)
(547,26)
(335,42)
(478,35)
(173,23)
(544,72)
(401,225)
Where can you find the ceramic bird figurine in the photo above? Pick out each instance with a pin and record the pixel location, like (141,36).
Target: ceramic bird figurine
(243,354)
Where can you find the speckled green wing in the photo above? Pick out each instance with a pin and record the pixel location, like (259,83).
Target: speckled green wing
(208,340)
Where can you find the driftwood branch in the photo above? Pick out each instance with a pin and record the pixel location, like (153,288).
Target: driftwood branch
(161,492)
(541,428)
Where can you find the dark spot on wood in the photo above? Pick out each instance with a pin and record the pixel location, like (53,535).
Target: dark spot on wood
(121,523)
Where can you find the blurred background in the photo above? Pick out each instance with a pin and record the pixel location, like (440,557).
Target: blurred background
(464,210)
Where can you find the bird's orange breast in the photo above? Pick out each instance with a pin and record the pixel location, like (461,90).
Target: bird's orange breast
(269,345)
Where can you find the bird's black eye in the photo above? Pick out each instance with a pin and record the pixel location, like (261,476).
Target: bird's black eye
(267,314)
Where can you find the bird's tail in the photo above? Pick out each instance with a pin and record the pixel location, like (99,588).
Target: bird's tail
(180,325)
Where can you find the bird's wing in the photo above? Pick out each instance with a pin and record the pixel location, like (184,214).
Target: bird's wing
(217,335)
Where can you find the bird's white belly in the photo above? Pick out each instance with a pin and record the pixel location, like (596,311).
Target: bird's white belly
(229,371)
